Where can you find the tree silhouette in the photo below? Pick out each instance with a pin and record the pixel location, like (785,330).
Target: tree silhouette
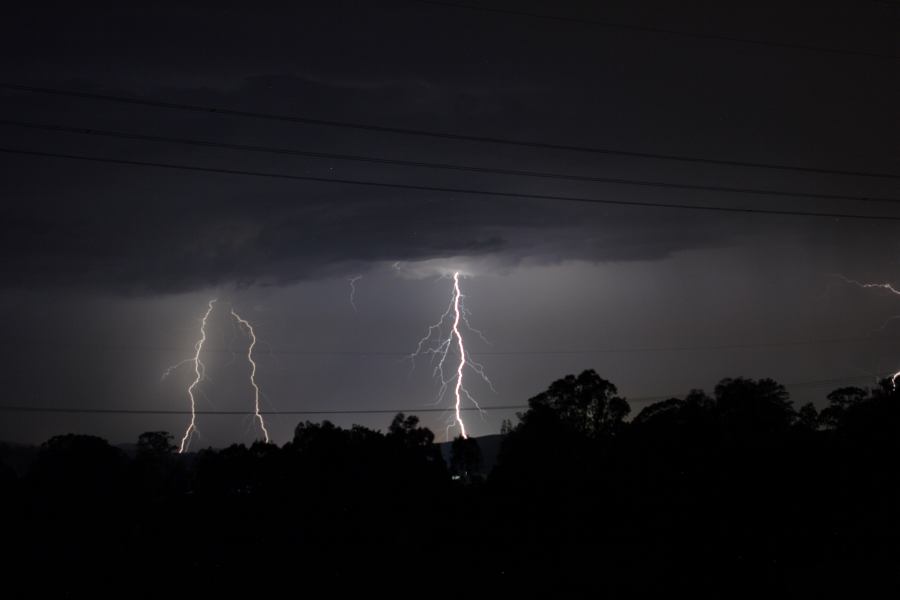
(561,435)
(750,408)
(665,412)
(808,417)
(839,402)
(79,466)
(154,470)
(413,450)
(587,403)
(155,444)
(406,431)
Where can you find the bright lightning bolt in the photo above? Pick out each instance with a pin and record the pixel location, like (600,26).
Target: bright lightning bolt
(884,286)
(199,370)
(462,354)
(244,323)
(439,347)
(352,282)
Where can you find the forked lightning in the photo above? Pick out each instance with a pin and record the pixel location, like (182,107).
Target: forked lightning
(439,346)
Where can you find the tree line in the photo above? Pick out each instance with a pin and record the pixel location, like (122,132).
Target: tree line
(701,491)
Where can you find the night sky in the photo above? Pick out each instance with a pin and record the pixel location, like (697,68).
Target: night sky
(107,268)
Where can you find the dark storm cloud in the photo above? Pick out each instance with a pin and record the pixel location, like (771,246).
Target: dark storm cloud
(138,229)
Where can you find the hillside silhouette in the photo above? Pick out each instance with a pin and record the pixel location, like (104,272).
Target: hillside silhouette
(723,494)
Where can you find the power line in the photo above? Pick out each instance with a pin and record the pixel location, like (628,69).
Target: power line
(443,166)
(427,409)
(452,190)
(662,30)
(441,135)
(362,411)
(395,354)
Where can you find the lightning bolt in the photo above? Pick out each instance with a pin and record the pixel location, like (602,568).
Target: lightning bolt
(245,324)
(439,346)
(175,367)
(883,286)
(199,370)
(352,282)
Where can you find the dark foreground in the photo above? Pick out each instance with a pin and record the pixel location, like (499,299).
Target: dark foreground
(715,496)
